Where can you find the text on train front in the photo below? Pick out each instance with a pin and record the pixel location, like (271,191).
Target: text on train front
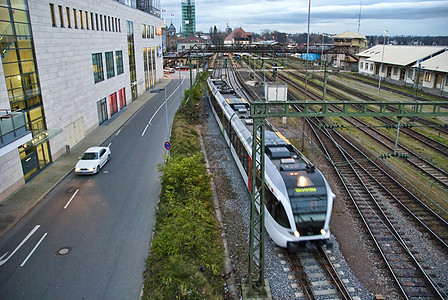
(308,196)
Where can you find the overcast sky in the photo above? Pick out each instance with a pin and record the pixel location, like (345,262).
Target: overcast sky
(425,17)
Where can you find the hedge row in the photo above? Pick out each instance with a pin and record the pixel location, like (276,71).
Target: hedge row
(186,259)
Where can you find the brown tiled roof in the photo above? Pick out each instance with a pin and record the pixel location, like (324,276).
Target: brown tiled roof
(238,34)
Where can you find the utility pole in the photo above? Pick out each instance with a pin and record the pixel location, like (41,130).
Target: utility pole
(382,59)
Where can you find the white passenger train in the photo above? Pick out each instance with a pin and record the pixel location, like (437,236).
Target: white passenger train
(298,199)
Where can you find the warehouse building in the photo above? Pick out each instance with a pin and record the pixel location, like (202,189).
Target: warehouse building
(425,66)
(66,68)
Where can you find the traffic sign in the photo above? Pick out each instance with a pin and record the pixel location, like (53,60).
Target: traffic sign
(167,145)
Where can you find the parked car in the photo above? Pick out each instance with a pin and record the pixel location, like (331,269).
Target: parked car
(93,160)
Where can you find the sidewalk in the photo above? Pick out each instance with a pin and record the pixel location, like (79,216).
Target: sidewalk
(13,209)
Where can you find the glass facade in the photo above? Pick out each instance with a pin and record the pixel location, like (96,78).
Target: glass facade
(22,81)
(97,62)
(110,64)
(119,61)
(131,52)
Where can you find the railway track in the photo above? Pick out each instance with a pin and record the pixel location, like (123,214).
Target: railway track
(391,89)
(384,206)
(434,173)
(316,275)
(374,201)
(437,146)
(422,165)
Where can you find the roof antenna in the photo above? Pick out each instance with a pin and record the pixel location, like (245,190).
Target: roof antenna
(359,16)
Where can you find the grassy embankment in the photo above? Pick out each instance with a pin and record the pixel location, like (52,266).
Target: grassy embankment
(186,260)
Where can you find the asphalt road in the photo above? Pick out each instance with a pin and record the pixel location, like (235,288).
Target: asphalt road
(89,237)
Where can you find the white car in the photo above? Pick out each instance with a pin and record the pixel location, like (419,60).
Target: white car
(93,160)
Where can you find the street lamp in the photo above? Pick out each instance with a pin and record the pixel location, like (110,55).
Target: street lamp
(307,48)
(382,59)
(322,55)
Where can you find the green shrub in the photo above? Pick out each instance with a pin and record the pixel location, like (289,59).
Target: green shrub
(186,259)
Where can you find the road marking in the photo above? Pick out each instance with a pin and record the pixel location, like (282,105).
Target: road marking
(34,249)
(76,192)
(143,133)
(2,261)
(109,144)
(161,105)
(118,132)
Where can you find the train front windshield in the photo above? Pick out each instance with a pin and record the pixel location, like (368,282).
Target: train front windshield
(308,196)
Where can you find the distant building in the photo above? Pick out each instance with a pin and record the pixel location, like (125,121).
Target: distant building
(171,38)
(171,29)
(238,36)
(350,39)
(188,18)
(188,42)
(426,65)
(434,70)
(354,42)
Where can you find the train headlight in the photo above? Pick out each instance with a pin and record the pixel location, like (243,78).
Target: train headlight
(296,234)
(323,232)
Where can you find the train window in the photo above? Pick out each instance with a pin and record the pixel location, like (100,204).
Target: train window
(276,209)
(280,215)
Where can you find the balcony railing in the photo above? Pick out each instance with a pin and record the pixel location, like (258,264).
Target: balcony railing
(12,126)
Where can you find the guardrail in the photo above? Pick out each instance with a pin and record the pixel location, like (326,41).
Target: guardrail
(12,125)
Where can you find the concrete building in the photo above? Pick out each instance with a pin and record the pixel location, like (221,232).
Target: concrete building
(70,66)
(400,64)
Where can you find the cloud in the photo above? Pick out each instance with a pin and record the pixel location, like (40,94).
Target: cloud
(326,15)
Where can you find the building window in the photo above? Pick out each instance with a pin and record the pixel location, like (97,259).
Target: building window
(395,71)
(122,97)
(69,23)
(101,22)
(110,64)
(75,18)
(362,65)
(97,23)
(97,61)
(102,110)
(371,67)
(81,21)
(108,22)
(113,104)
(53,18)
(116,24)
(105,23)
(92,19)
(87,20)
(131,53)
(119,61)
(119,25)
(143,31)
(61,16)
(428,76)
